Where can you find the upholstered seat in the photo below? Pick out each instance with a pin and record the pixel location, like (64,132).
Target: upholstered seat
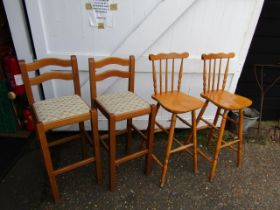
(55,109)
(121,103)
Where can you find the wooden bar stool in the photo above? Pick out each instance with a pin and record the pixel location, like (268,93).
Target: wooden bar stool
(215,73)
(170,98)
(118,107)
(58,112)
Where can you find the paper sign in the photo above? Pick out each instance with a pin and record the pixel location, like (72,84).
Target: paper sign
(101,13)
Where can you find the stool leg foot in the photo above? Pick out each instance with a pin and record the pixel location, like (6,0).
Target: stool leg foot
(150,136)
(240,137)
(168,149)
(112,161)
(214,123)
(194,142)
(218,146)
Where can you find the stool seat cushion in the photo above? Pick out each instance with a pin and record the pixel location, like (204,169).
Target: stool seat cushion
(64,107)
(121,103)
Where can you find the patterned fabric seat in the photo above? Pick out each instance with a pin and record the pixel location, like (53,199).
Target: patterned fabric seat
(120,103)
(60,108)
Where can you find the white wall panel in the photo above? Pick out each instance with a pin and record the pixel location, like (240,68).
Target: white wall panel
(62,27)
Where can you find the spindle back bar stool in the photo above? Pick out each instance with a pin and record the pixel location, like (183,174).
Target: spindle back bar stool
(215,75)
(168,94)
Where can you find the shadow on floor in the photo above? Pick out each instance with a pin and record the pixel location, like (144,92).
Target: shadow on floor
(11,149)
(255,185)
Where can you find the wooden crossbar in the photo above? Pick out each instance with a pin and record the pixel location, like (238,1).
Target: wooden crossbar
(202,127)
(165,130)
(157,160)
(106,136)
(181,148)
(230,119)
(209,124)
(64,140)
(88,138)
(139,132)
(131,157)
(73,166)
(104,145)
(229,144)
(184,121)
(161,127)
(203,155)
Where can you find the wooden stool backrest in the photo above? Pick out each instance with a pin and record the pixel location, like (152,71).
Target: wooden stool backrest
(95,65)
(164,60)
(215,65)
(39,79)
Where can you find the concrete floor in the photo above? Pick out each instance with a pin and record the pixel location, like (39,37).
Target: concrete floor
(255,185)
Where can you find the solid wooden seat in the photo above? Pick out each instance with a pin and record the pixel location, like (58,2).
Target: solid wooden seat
(175,102)
(61,111)
(227,100)
(215,73)
(118,107)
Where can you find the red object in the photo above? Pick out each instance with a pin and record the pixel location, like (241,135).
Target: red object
(28,121)
(14,75)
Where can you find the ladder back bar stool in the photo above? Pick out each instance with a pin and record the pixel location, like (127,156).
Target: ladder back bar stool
(170,97)
(61,111)
(121,106)
(215,73)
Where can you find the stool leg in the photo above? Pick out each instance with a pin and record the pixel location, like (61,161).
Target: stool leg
(214,123)
(95,136)
(168,149)
(112,153)
(84,141)
(129,135)
(150,139)
(201,112)
(240,137)
(218,146)
(48,161)
(194,142)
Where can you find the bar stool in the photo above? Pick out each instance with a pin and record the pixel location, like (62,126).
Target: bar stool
(58,112)
(123,105)
(215,73)
(170,98)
